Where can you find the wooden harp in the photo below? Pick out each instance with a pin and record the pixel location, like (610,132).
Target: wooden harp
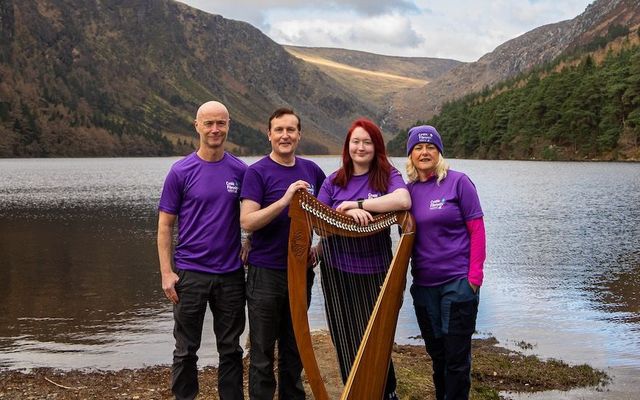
(366,379)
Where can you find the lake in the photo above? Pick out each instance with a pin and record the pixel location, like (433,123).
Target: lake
(81,285)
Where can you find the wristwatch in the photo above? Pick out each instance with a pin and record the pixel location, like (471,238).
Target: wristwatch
(360,204)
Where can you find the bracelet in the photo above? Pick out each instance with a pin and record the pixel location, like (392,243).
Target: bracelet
(360,204)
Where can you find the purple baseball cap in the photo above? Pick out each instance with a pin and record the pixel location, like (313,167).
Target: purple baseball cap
(424,134)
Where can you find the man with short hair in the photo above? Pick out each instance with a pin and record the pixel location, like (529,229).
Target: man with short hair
(267,190)
(202,192)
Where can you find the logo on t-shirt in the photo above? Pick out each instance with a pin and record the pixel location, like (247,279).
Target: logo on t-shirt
(233,187)
(372,195)
(311,189)
(437,204)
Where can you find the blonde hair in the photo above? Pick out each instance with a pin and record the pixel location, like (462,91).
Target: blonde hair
(441,169)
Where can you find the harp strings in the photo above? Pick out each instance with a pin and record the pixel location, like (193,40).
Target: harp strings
(368,375)
(352,271)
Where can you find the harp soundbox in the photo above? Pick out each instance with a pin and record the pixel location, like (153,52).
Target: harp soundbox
(366,380)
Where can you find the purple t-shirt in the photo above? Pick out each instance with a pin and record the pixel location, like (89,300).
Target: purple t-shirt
(266,182)
(441,247)
(371,254)
(206,198)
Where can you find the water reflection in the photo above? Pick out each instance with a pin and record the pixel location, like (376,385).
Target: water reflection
(620,294)
(79,261)
(76,278)
(555,230)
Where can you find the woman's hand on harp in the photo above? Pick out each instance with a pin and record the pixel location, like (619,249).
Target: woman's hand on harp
(348,205)
(362,217)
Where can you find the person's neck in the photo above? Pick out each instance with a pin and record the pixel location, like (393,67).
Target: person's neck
(424,176)
(288,160)
(360,169)
(210,154)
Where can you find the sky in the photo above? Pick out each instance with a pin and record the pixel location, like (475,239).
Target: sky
(463,30)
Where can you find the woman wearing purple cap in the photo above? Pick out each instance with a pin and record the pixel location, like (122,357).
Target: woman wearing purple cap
(353,270)
(447,260)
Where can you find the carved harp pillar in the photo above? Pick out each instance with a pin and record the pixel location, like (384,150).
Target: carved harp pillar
(368,373)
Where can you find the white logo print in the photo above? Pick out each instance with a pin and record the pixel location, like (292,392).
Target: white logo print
(437,204)
(232,186)
(311,190)
(425,137)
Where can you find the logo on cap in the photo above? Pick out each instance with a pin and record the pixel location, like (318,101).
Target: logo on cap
(425,137)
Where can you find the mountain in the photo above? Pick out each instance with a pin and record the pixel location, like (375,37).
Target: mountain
(115,77)
(533,48)
(584,106)
(373,78)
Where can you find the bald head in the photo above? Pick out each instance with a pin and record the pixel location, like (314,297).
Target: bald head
(212,107)
(212,125)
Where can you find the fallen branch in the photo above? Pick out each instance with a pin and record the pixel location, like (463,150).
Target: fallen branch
(63,386)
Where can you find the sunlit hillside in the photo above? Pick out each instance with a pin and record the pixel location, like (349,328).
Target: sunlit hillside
(373,78)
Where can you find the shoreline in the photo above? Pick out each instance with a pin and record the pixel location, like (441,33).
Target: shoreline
(495,369)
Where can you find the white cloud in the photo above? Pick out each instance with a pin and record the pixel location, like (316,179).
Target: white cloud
(371,33)
(368,7)
(463,29)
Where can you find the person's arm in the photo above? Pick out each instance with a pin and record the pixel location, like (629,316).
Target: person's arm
(397,200)
(252,217)
(166,222)
(477,252)
(245,248)
(315,253)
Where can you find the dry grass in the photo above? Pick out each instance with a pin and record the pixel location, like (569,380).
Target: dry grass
(372,87)
(495,369)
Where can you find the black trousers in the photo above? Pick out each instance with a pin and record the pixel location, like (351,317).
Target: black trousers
(225,295)
(270,322)
(349,302)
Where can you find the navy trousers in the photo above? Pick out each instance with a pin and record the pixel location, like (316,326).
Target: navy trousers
(446,316)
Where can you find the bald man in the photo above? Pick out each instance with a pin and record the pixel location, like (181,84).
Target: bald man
(202,192)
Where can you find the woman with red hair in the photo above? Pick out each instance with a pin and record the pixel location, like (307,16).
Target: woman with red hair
(353,269)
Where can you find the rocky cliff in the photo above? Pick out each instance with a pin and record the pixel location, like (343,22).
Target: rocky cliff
(531,49)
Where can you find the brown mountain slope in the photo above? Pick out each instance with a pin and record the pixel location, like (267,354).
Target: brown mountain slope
(119,77)
(533,48)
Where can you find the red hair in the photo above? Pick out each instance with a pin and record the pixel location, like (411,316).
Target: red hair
(380,168)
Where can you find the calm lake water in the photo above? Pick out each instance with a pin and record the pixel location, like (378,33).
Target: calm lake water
(81,286)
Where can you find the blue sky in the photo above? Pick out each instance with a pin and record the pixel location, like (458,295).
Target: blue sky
(460,29)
